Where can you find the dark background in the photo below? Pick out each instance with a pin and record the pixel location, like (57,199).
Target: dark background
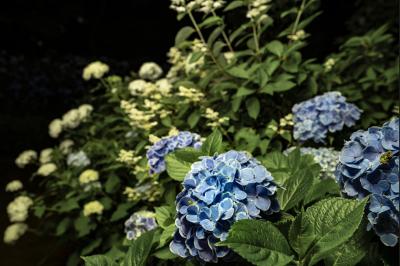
(45,44)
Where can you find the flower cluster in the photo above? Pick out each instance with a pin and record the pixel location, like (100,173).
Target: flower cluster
(204,6)
(88,176)
(190,94)
(329,64)
(93,207)
(47,169)
(78,159)
(14,232)
(18,209)
(128,157)
(14,185)
(139,223)
(369,164)
(215,119)
(138,118)
(156,153)
(95,70)
(327,158)
(257,10)
(150,71)
(328,112)
(219,191)
(66,146)
(70,120)
(177,60)
(149,191)
(298,35)
(25,158)
(45,155)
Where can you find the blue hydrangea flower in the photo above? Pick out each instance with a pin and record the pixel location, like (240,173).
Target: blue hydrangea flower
(139,223)
(369,164)
(328,112)
(156,153)
(327,158)
(219,191)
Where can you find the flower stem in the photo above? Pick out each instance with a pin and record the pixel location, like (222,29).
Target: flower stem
(255,35)
(203,40)
(301,10)
(224,35)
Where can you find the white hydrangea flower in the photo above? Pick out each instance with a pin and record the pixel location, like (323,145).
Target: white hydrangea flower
(25,158)
(78,159)
(137,87)
(164,87)
(18,209)
(14,185)
(55,128)
(88,176)
(93,207)
(95,70)
(45,155)
(66,146)
(71,119)
(14,232)
(150,71)
(47,169)
(85,110)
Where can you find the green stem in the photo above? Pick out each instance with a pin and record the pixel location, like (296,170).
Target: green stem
(255,35)
(296,23)
(203,40)
(224,35)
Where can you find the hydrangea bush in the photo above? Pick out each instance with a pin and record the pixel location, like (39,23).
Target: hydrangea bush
(243,86)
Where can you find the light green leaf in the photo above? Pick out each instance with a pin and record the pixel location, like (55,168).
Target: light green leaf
(320,189)
(243,91)
(194,57)
(176,169)
(259,242)
(301,234)
(210,21)
(212,144)
(253,107)
(234,5)
(194,118)
(63,226)
(334,221)
(98,260)
(92,245)
(120,212)
(183,34)
(139,250)
(238,72)
(167,234)
(275,47)
(164,254)
(189,154)
(164,216)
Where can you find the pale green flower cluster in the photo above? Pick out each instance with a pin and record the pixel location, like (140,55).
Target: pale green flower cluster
(204,6)
(93,207)
(66,146)
(88,176)
(257,10)
(47,169)
(95,70)
(150,71)
(214,118)
(328,65)
(18,209)
(149,191)
(14,232)
(45,155)
(14,186)
(25,158)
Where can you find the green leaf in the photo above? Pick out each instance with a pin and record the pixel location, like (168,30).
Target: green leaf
(139,250)
(212,144)
(301,234)
(295,188)
(194,57)
(238,72)
(320,189)
(176,169)
(98,260)
(189,154)
(83,226)
(193,118)
(210,21)
(167,234)
(92,245)
(243,91)
(183,34)
(112,184)
(120,212)
(164,254)
(334,221)
(253,107)
(234,5)
(63,226)
(275,47)
(259,242)
(164,216)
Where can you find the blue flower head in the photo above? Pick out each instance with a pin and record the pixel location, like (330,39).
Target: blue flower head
(369,164)
(219,191)
(328,112)
(156,153)
(139,223)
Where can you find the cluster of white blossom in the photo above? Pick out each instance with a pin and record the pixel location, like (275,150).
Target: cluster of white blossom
(177,60)
(78,159)
(45,155)
(95,70)
(191,95)
(88,176)
(14,232)
(328,65)
(138,118)
(93,207)
(66,146)
(25,158)
(257,10)
(47,169)
(205,6)
(18,209)
(70,120)
(149,191)
(215,119)
(14,186)
(298,35)
(150,71)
